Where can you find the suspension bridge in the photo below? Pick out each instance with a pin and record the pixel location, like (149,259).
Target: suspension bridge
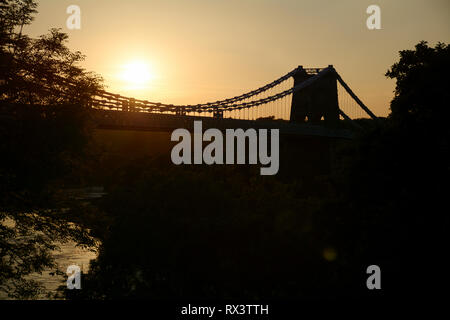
(305,101)
(314,109)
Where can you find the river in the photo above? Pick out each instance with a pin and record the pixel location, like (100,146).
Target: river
(67,254)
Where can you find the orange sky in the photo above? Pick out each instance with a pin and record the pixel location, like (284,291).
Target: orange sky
(206,50)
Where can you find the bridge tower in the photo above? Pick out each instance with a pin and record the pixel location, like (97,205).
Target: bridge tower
(317,101)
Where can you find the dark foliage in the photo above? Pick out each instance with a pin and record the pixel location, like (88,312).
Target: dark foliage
(43,145)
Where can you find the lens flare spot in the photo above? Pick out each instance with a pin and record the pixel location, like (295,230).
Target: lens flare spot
(329,254)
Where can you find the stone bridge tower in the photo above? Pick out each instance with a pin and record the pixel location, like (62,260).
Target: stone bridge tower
(317,101)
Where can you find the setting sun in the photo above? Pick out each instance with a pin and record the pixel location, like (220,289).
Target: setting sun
(136,74)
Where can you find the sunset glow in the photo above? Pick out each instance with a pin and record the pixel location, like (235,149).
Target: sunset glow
(136,75)
(191,53)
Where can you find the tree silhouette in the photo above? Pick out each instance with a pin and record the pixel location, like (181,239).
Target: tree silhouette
(421,93)
(43,70)
(394,186)
(39,145)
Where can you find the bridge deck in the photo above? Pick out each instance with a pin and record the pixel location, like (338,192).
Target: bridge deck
(166,122)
